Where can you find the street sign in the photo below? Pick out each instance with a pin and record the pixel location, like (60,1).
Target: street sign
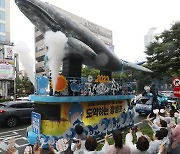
(176,91)
(176,82)
(36,122)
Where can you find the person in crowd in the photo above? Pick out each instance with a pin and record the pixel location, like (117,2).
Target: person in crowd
(174,106)
(12,150)
(141,146)
(90,147)
(80,136)
(176,133)
(166,139)
(37,149)
(80,132)
(158,137)
(117,147)
(161,149)
(28,150)
(169,118)
(158,123)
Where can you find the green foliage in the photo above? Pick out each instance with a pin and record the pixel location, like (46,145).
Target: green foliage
(4,100)
(24,87)
(122,76)
(142,79)
(163,56)
(93,72)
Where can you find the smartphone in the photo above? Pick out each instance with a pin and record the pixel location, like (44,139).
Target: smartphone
(3,146)
(11,142)
(164,142)
(75,140)
(37,138)
(107,131)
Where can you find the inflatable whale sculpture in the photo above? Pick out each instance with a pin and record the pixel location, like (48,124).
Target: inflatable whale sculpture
(82,43)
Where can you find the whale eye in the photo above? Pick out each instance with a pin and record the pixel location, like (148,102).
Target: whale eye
(64,23)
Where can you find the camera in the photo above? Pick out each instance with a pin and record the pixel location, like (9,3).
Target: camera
(134,128)
(75,140)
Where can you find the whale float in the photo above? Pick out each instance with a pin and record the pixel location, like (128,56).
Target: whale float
(82,43)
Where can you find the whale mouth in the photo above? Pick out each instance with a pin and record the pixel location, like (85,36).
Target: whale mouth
(38,16)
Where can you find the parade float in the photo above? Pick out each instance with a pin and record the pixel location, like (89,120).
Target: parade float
(99,104)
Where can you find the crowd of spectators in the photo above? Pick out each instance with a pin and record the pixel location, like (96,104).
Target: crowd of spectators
(165,140)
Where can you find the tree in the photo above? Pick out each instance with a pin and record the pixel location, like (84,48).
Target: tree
(24,87)
(163,56)
(93,72)
(125,76)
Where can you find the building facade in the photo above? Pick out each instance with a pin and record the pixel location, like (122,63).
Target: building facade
(40,49)
(4,21)
(149,37)
(6,52)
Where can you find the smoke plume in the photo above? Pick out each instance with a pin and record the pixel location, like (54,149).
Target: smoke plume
(28,62)
(55,41)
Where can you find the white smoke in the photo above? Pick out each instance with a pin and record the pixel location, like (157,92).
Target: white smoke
(55,41)
(28,62)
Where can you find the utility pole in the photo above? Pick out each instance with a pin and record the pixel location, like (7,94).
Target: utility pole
(16,70)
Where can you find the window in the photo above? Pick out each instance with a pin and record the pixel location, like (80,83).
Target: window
(39,70)
(40,59)
(40,37)
(2,105)
(23,105)
(2,38)
(2,27)
(2,3)
(13,106)
(29,105)
(2,15)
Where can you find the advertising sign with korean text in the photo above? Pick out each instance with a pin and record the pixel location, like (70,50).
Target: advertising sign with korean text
(6,71)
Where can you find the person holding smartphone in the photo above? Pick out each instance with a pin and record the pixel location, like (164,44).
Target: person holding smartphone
(80,136)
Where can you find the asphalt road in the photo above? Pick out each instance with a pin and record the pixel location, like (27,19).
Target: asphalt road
(19,133)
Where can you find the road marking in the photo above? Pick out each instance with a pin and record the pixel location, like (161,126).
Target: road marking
(14,131)
(20,138)
(16,145)
(24,138)
(22,145)
(142,121)
(8,136)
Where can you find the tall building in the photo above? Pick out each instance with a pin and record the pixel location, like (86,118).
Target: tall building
(4,21)
(149,37)
(40,50)
(6,52)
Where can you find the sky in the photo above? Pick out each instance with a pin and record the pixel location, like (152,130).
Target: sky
(129,21)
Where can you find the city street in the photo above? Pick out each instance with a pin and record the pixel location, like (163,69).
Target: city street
(19,133)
